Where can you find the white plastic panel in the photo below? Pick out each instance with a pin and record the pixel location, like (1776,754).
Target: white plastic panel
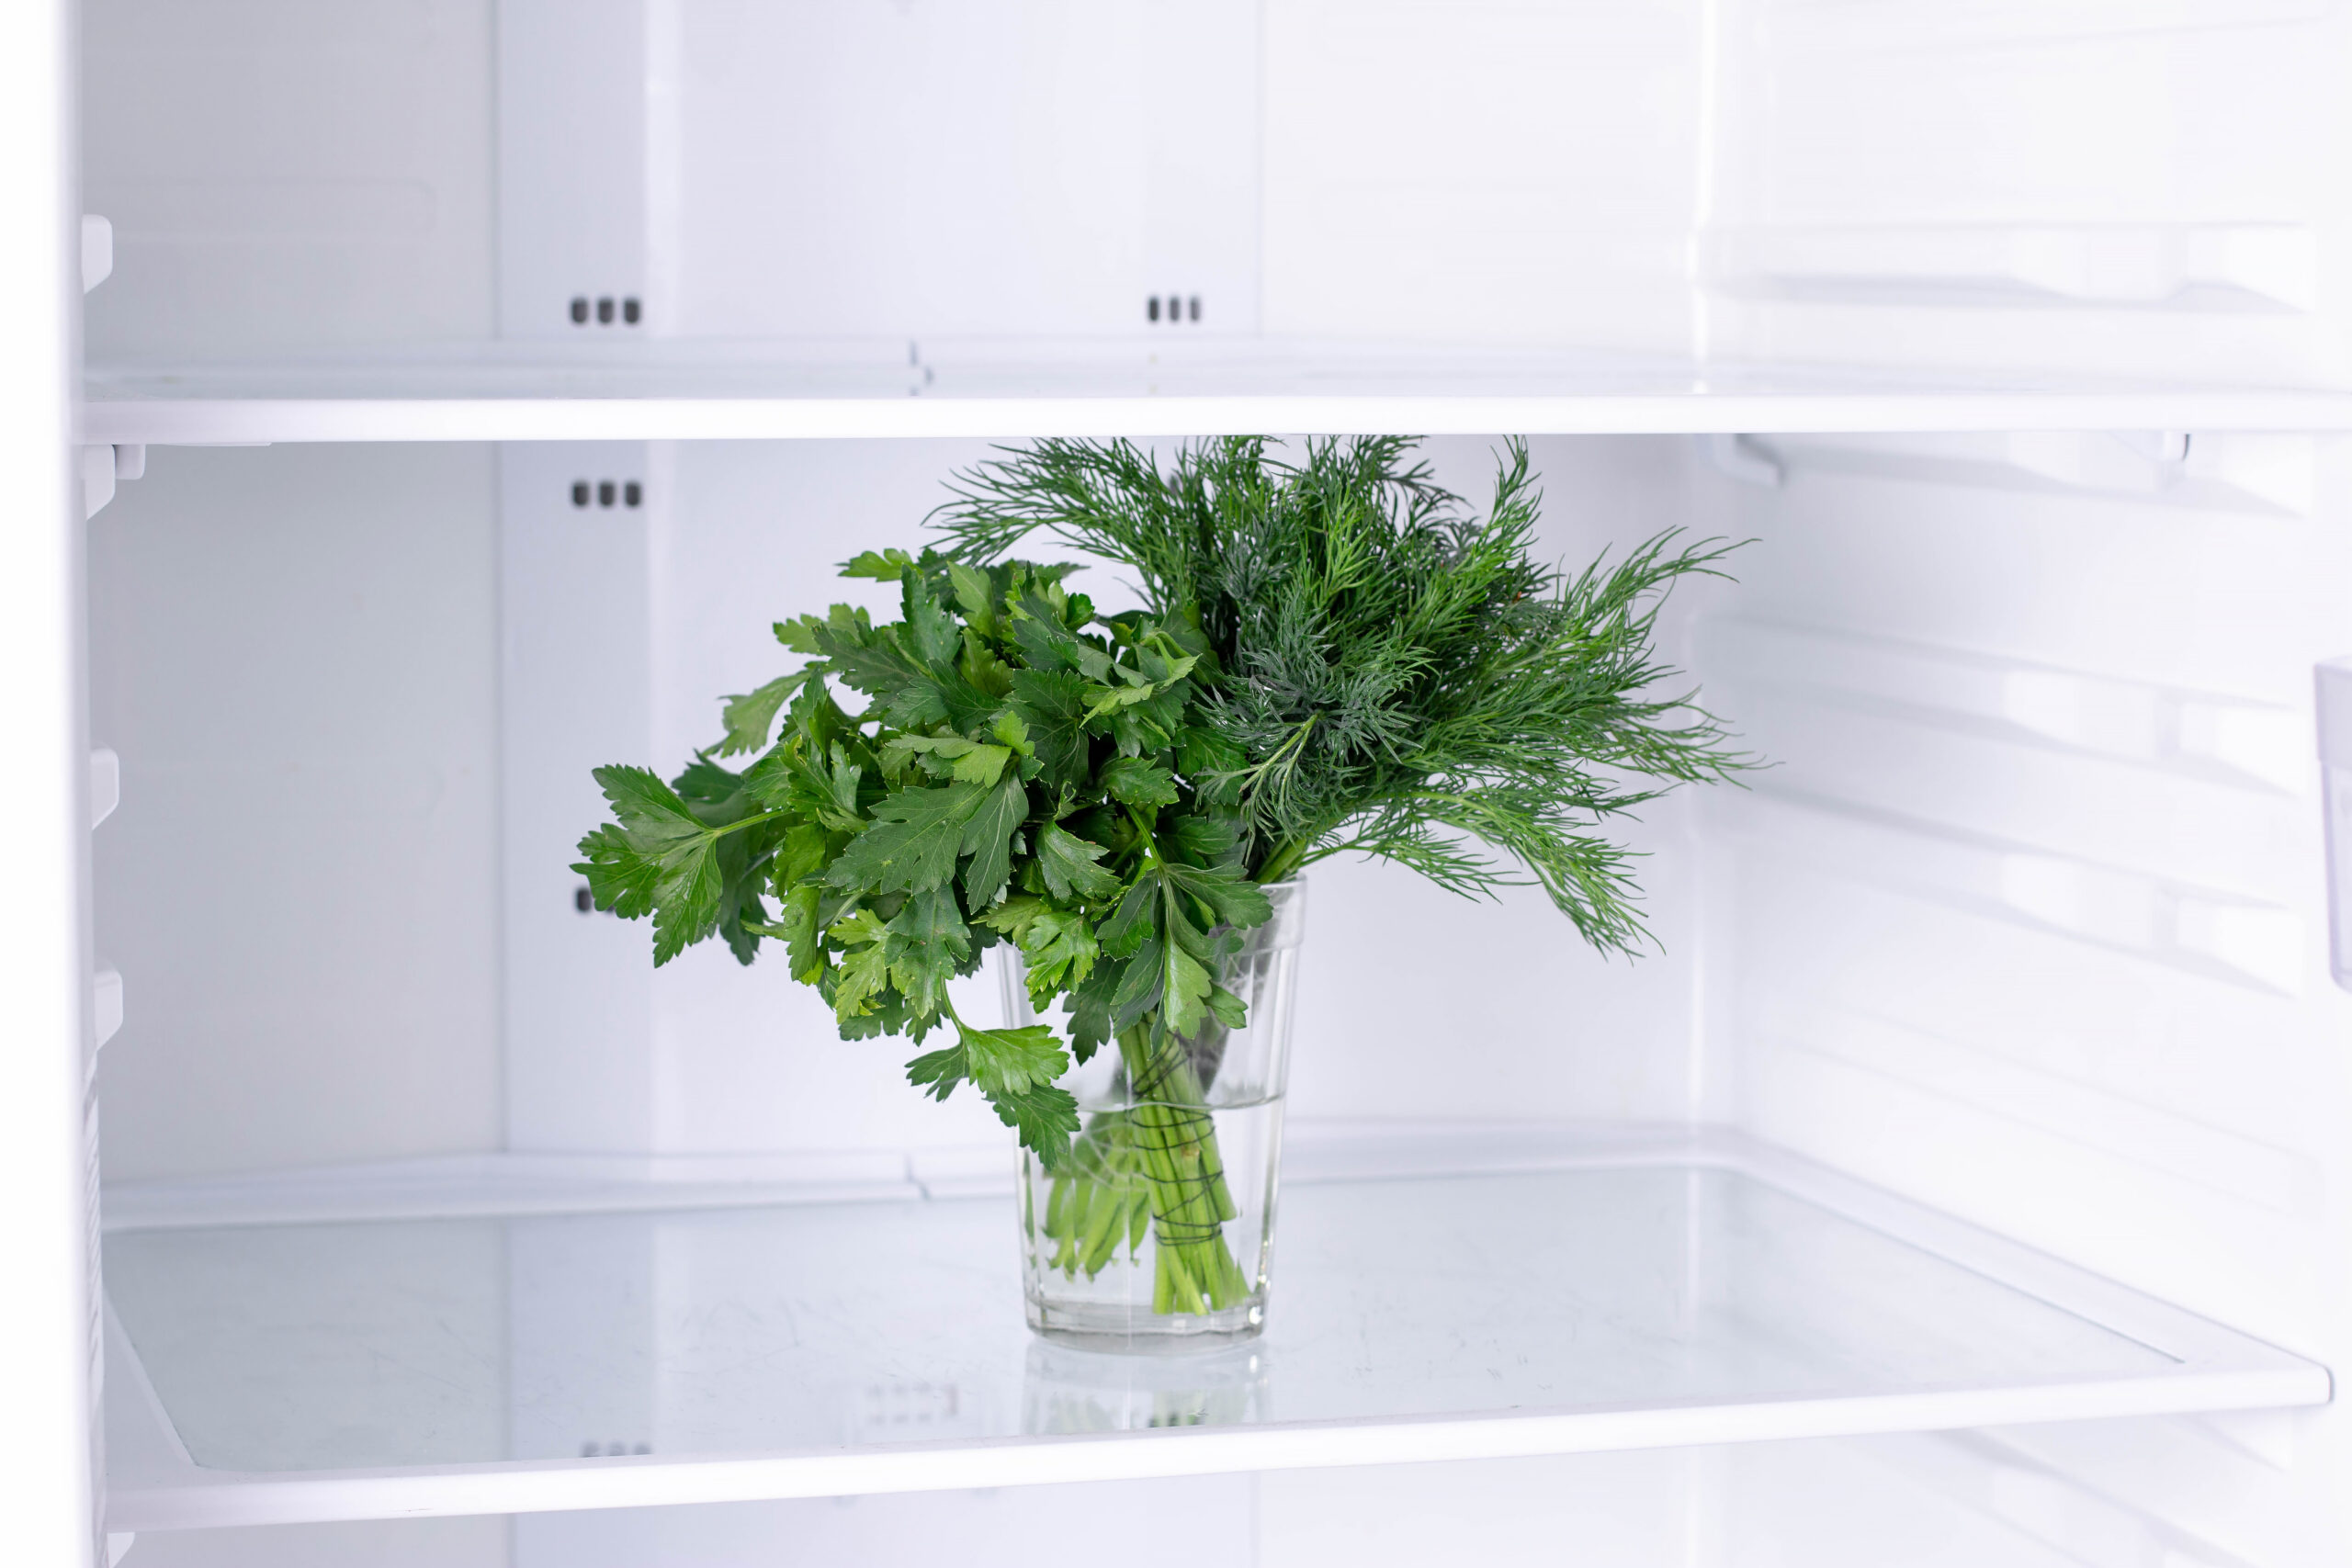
(1608,1293)
(576,657)
(280,175)
(293,652)
(1043,168)
(2096,184)
(576,85)
(2031,920)
(1484,170)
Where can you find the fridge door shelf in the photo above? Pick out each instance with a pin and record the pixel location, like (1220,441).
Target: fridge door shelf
(682,390)
(517,1334)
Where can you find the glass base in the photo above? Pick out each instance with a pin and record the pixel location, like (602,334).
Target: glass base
(1118,1330)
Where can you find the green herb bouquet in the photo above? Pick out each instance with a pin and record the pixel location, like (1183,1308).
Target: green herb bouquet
(1334,655)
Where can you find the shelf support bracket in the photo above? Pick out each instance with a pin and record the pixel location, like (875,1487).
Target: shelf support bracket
(1738,457)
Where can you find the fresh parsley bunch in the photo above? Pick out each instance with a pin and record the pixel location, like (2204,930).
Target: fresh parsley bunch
(1024,769)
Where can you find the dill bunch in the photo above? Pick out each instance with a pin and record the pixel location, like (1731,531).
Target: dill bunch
(1386,671)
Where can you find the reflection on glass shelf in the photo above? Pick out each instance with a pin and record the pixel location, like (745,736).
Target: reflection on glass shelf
(408,1343)
(519,1333)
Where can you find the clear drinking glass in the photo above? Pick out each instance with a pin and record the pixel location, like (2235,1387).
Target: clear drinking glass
(1157,1232)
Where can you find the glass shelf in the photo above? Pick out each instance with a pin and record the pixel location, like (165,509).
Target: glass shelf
(697,390)
(1573,1294)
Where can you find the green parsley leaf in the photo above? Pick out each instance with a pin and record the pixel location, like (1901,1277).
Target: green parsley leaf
(1184,989)
(1089,1007)
(660,857)
(929,633)
(912,843)
(988,839)
(973,762)
(750,716)
(1137,918)
(887,566)
(974,595)
(865,974)
(1228,900)
(926,944)
(1139,781)
(1007,1061)
(1045,1117)
(1069,865)
(1052,710)
(1139,985)
(803,950)
(1059,948)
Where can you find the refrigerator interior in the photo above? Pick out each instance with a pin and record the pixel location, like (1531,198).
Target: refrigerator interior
(2028,923)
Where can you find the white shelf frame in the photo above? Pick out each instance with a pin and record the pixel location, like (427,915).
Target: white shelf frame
(992,388)
(154,1484)
(221,422)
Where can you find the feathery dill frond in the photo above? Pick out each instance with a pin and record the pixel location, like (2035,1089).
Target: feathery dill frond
(1400,675)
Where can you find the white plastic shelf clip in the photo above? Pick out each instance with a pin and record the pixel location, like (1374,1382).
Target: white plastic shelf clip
(97,251)
(105,784)
(106,1004)
(2335,714)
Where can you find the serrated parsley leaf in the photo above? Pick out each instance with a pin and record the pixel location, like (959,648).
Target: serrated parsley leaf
(1184,989)
(1016,1070)
(1139,781)
(1045,1117)
(1139,985)
(929,632)
(1059,947)
(660,857)
(750,716)
(1136,918)
(1228,900)
(620,877)
(973,762)
(1052,709)
(857,927)
(1089,1007)
(988,839)
(912,843)
(937,1072)
(1007,1061)
(885,566)
(1068,862)
(805,952)
(974,595)
(926,943)
(864,974)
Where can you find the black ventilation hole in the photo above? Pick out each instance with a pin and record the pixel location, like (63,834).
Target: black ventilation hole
(632,493)
(1152,309)
(1193,308)
(604,311)
(630,310)
(580,311)
(605,493)
(583,900)
(579,492)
